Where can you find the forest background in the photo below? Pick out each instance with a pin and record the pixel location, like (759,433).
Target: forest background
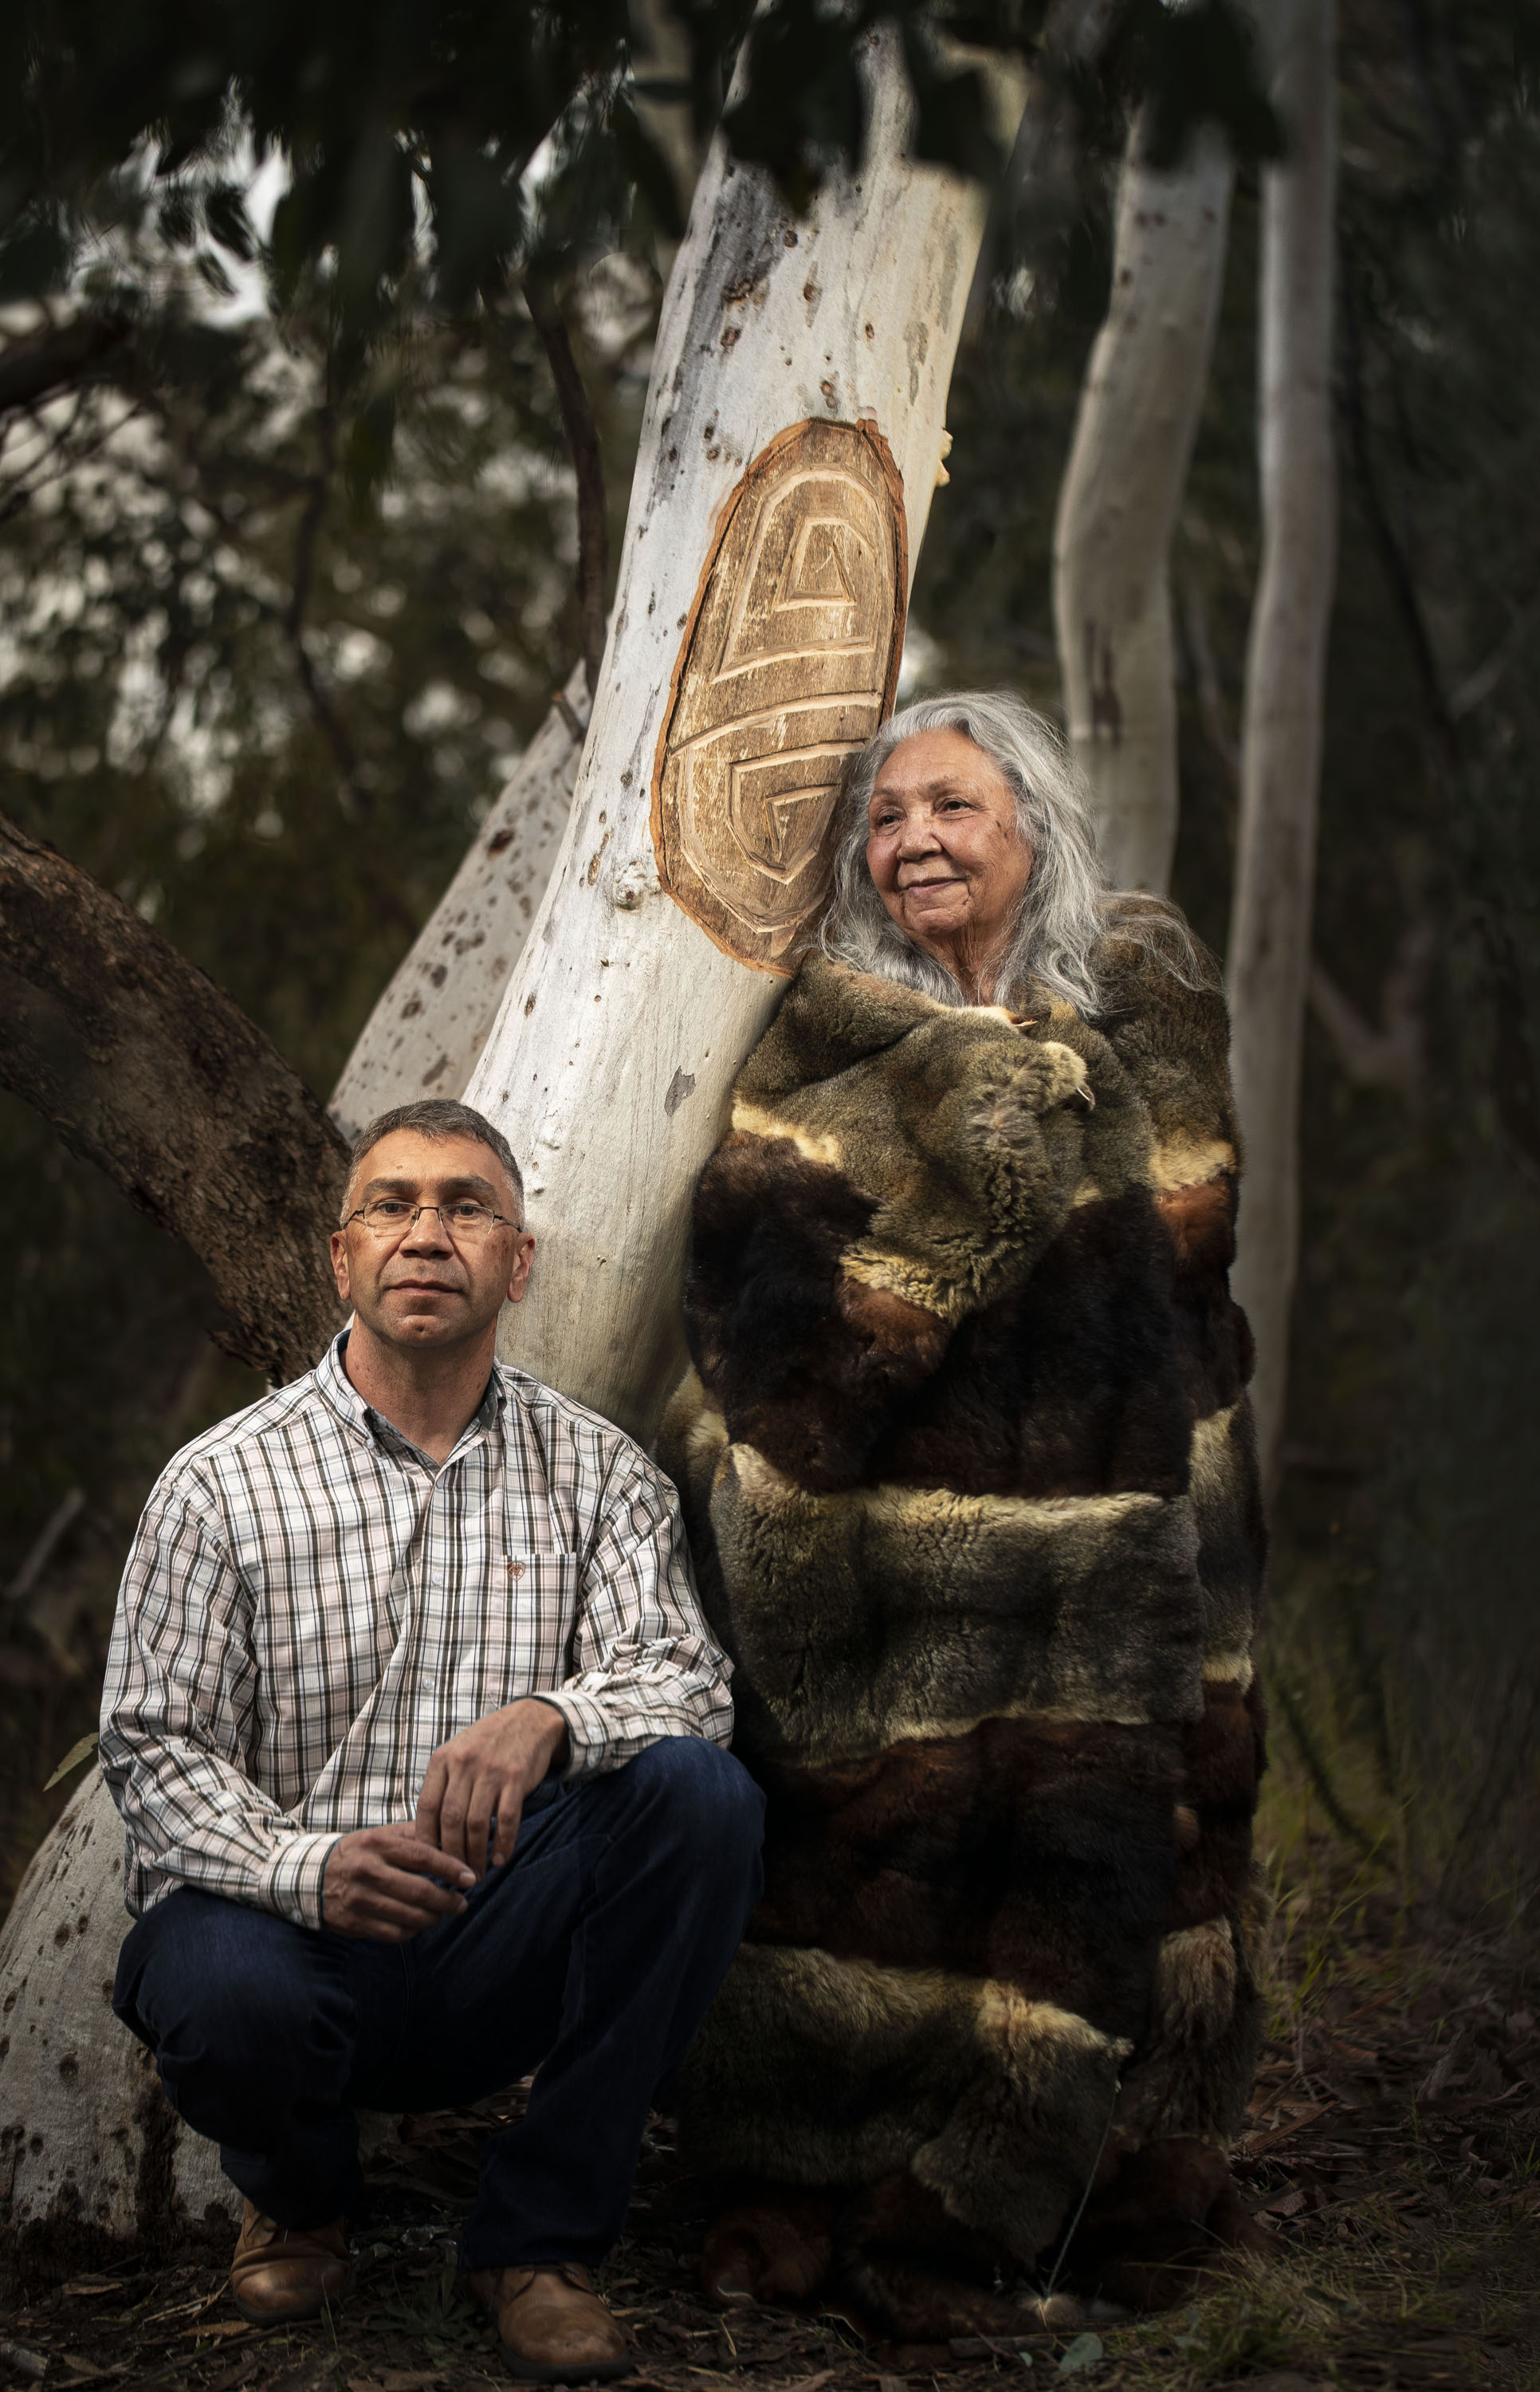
(265,690)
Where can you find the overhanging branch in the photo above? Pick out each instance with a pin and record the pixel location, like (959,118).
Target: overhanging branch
(34,368)
(149,1069)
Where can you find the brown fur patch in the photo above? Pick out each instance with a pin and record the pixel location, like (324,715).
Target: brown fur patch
(1168,2213)
(777,2246)
(1042,1853)
(1201,1221)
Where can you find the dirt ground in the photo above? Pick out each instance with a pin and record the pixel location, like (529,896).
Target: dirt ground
(1394,2148)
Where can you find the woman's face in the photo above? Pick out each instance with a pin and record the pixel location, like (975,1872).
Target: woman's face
(945,850)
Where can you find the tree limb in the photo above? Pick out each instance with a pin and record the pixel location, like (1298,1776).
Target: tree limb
(312,514)
(593,531)
(33,368)
(149,1069)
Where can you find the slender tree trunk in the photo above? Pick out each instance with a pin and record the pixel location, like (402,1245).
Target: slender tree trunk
(1269,950)
(790,449)
(432,1020)
(1123,486)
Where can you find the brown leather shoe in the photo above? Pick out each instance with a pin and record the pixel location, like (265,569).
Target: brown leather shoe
(553,2326)
(280,2273)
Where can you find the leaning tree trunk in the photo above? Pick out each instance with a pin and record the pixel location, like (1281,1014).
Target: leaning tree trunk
(790,448)
(1133,437)
(1269,951)
(432,1020)
(792,441)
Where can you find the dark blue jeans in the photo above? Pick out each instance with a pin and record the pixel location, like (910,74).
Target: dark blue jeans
(592,1956)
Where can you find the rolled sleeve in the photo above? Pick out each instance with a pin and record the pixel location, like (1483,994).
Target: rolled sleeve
(292,1884)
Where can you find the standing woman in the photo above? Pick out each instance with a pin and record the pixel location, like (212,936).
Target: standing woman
(969,1466)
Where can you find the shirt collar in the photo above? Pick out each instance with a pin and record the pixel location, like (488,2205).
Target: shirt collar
(342,1396)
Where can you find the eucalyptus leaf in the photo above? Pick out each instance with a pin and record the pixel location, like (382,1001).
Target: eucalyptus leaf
(72,1758)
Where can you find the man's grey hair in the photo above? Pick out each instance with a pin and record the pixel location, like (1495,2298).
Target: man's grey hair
(432,1117)
(1066,905)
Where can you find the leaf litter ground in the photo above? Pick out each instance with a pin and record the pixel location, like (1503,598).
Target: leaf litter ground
(1394,2150)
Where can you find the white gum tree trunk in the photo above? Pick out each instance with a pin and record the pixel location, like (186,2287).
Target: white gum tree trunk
(92,2156)
(1123,486)
(790,448)
(1270,922)
(432,1021)
(791,443)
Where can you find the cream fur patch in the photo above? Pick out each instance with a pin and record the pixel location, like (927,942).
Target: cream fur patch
(1022,2140)
(1195,1983)
(1226,1505)
(704,1437)
(900,1275)
(755,1122)
(1210,1457)
(1198,2062)
(818,2071)
(887,1612)
(1186,1162)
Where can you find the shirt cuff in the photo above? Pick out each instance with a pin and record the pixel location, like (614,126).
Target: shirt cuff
(590,1733)
(292,1884)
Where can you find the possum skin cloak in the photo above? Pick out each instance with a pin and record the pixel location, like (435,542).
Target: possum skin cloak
(969,1466)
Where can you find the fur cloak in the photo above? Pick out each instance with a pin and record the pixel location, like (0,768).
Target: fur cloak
(968,1467)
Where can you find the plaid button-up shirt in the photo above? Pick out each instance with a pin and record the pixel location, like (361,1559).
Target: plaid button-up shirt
(312,1606)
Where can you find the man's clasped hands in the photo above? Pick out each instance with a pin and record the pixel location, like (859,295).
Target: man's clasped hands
(386,1884)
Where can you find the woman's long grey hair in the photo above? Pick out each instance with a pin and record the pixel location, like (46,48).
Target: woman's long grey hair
(1067,906)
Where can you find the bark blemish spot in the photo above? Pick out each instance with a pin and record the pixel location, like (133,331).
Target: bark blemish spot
(529,1006)
(502,838)
(680,1088)
(1106,711)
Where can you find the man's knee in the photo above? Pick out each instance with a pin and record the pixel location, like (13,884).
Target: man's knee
(202,1980)
(706,1789)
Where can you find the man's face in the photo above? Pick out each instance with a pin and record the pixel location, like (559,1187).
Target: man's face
(420,1285)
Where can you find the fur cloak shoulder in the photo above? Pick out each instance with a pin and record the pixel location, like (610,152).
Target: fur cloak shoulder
(967,1463)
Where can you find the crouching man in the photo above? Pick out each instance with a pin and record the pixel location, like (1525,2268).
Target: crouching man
(418,1738)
